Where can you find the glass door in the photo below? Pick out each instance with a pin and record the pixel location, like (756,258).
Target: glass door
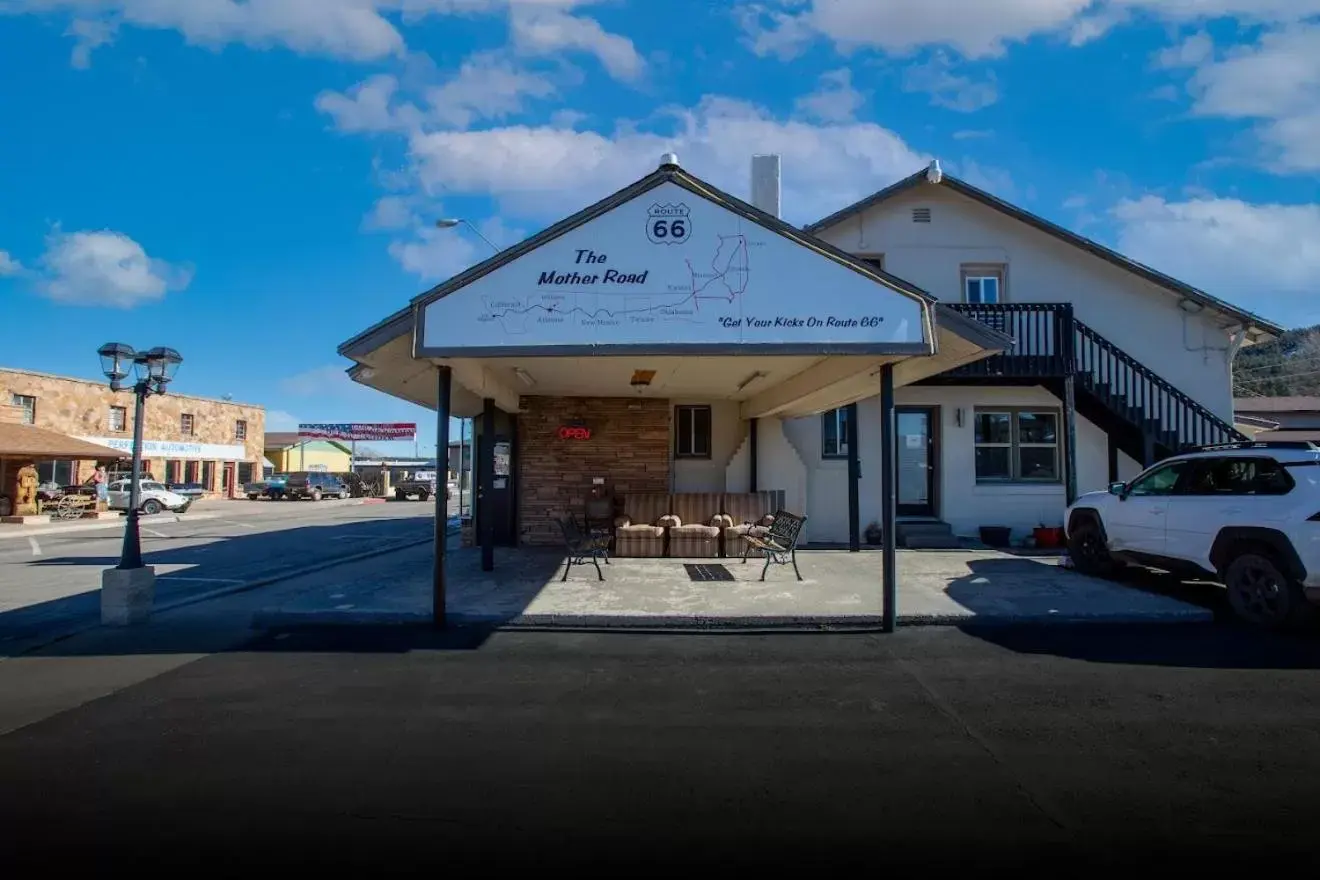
(918,459)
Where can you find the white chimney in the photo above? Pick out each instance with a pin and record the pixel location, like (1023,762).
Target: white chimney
(669,159)
(765,183)
(934,173)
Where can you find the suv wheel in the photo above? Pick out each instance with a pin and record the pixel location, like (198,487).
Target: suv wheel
(1262,594)
(1086,548)
(316,494)
(423,495)
(151,507)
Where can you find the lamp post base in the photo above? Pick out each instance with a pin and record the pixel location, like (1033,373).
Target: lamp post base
(127,595)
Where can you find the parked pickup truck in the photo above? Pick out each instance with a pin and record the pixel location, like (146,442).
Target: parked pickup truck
(420,484)
(271,487)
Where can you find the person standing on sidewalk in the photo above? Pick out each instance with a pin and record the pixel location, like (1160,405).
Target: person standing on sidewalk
(102,486)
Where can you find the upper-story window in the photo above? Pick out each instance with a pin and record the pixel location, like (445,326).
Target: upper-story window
(186,424)
(240,429)
(983,283)
(118,420)
(28,404)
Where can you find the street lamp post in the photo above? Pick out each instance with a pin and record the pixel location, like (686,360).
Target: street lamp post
(126,590)
(451,222)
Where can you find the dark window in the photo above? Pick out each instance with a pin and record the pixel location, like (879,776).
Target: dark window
(208,475)
(240,429)
(186,424)
(245,472)
(191,470)
(1159,481)
(835,433)
(28,405)
(118,419)
(1234,475)
(692,432)
(1017,444)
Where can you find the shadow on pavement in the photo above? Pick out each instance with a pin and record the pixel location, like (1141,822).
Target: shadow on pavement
(226,561)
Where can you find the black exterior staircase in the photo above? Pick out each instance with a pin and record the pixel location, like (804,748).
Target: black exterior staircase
(1145,416)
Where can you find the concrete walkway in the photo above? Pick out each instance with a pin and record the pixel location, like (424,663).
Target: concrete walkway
(839,589)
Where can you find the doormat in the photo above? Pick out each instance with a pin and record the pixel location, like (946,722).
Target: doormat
(703,572)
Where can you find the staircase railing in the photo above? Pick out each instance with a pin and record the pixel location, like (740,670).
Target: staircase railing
(1139,394)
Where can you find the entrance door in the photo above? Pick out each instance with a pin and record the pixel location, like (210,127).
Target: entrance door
(227,480)
(918,459)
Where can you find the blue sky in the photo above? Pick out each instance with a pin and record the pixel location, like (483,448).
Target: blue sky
(254,182)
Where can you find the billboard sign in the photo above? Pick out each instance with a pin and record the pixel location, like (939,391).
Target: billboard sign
(359,431)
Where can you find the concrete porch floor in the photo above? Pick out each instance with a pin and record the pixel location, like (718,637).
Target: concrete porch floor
(839,589)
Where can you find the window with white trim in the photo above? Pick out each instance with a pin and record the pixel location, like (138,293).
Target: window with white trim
(240,429)
(692,432)
(983,284)
(1016,444)
(186,424)
(835,433)
(118,419)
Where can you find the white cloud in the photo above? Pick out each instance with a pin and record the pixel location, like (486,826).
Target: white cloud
(549,172)
(89,34)
(390,212)
(9,265)
(105,268)
(1245,253)
(947,89)
(1191,52)
(279,420)
(977,29)
(1276,81)
(538,30)
(485,86)
(351,29)
(970,134)
(835,100)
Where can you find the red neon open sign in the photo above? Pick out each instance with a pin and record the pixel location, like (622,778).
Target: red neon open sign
(574,432)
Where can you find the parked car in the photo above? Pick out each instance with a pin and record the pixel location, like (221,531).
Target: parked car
(421,485)
(187,490)
(314,485)
(271,487)
(1244,514)
(153,497)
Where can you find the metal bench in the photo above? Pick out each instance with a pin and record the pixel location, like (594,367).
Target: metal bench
(778,543)
(582,544)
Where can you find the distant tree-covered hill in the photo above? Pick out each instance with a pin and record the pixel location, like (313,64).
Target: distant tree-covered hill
(1287,366)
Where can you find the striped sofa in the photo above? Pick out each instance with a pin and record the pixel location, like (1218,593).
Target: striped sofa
(639,532)
(743,512)
(696,536)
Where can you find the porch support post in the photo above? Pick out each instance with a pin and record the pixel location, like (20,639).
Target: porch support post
(1147,447)
(751,449)
(888,502)
(486,476)
(444,386)
(1113,458)
(854,481)
(1070,436)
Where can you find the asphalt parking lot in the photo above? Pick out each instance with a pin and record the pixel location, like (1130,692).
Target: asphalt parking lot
(1053,749)
(49,580)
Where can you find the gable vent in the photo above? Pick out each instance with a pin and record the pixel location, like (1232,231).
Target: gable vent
(921,215)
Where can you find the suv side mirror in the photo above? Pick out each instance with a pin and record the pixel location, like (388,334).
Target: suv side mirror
(1119,489)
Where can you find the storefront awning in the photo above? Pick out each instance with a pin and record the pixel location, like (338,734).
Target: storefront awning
(30,442)
(668,288)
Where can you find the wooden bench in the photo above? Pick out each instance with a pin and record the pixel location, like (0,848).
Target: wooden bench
(778,543)
(582,544)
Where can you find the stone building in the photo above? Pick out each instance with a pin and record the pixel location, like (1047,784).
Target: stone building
(186,439)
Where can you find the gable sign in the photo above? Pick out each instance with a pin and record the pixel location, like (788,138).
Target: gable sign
(670,267)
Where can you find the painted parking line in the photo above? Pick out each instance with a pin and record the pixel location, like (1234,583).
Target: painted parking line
(175,577)
(152,532)
(36,548)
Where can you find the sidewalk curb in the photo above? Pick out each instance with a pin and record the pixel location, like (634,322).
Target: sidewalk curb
(221,592)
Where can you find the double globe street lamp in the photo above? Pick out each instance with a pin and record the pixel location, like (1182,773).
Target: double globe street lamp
(152,371)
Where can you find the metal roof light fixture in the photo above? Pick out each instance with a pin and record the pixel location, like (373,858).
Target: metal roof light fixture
(452,222)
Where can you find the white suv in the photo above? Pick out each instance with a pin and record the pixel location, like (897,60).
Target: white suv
(1244,514)
(153,497)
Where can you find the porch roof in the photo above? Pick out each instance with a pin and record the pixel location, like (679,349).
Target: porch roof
(604,285)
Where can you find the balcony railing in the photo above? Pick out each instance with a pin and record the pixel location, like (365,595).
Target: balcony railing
(1042,334)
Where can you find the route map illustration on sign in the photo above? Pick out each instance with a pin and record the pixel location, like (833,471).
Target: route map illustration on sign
(670,266)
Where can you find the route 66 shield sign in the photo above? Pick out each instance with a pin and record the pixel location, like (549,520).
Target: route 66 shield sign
(668,224)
